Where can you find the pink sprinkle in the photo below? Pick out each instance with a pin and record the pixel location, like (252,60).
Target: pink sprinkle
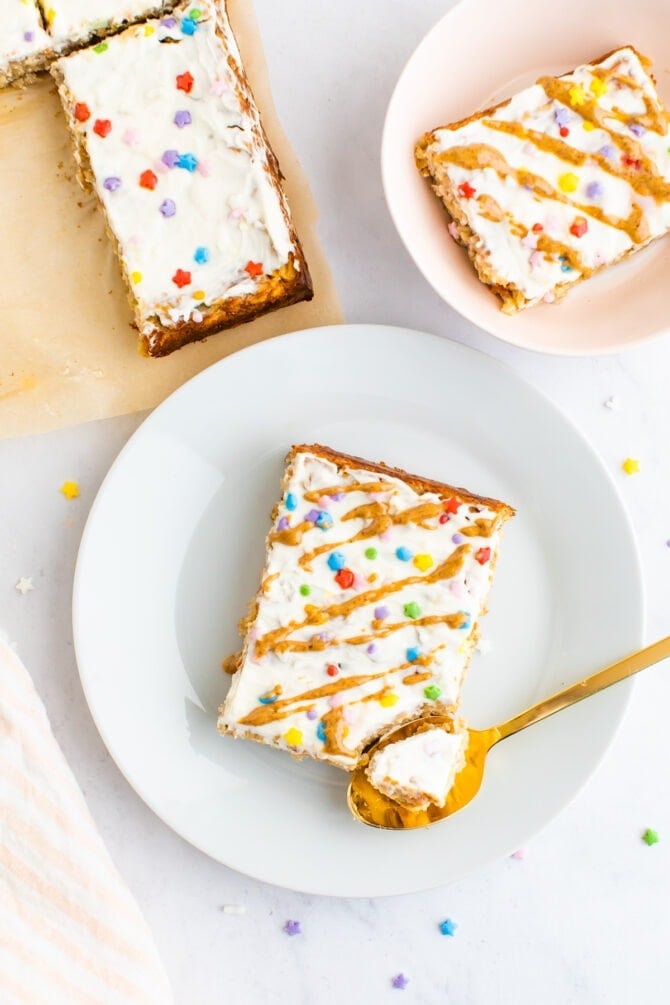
(457,587)
(360,582)
(336,700)
(204,169)
(131,137)
(528,150)
(548,298)
(236,213)
(376,496)
(453,230)
(385,535)
(536,259)
(598,259)
(196,316)
(529,241)
(349,715)
(219,87)
(324,502)
(160,168)
(520,854)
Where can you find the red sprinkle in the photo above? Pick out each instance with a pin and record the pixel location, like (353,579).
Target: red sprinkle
(81,111)
(537,227)
(564,131)
(185,82)
(332,670)
(148,180)
(631,162)
(451,505)
(181,278)
(466,190)
(444,517)
(102,127)
(483,555)
(579,227)
(345,578)
(254,269)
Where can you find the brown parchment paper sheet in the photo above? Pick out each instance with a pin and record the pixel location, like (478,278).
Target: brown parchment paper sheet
(68,352)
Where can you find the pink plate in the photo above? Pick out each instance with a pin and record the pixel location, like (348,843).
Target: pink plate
(478,54)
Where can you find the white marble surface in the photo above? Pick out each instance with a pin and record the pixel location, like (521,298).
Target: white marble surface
(584,918)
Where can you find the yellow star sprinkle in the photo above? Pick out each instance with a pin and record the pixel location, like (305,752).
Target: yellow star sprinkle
(568,182)
(577,96)
(598,87)
(148,30)
(293,737)
(51,15)
(588,126)
(136,277)
(423,562)
(70,490)
(387,700)
(631,466)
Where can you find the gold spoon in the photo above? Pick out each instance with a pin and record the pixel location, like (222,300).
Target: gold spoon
(377,810)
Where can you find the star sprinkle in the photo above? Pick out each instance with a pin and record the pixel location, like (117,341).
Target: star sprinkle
(650,837)
(577,96)
(631,466)
(185,82)
(70,490)
(448,927)
(400,982)
(613,403)
(519,854)
(25,585)
(293,928)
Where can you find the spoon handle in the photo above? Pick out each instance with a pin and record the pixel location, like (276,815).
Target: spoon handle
(585,688)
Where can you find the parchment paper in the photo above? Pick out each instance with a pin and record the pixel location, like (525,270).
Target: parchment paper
(68,352)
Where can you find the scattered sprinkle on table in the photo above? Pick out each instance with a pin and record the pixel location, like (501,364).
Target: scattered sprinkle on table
(70,490)
(25,585)
(519,854)
(400,981)
(293,928)
(613,403)
(631,466)
(650,837)
(233,909)
(448,927)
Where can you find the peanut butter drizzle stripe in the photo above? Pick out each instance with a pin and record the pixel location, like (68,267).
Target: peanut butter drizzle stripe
(447,570)
(479,528)
(416,678)
(653,117)
(489,208)
(455,620)
(278,710)
(334,490)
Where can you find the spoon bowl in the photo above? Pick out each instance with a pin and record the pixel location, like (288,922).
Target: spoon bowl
(378,810)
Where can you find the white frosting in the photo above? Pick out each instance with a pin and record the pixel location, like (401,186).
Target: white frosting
(73,20)
(226,206)
(22,33)
(442,650)
(513,256)
(423,767)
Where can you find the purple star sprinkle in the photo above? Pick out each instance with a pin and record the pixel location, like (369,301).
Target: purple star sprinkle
(636,129)
(182,118)
(170,158)
(381,612)
(313,516)
(283,523)
(169,22)
(562,116)
(293,928)
(594,190)
(312,714)
(168,207)
(337,496)
(400,981)
(608,151)
(457,538)
(372,648)
(111,184)
(28,36)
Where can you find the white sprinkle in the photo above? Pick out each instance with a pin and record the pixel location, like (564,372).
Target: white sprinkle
(613,403)
(24,585)
(233,909)
(484,646)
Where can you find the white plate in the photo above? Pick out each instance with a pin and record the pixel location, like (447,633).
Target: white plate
(480,53)
(172,553)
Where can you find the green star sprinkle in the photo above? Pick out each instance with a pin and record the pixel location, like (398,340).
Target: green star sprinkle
(100,47)
(412,610)
(371,553)
(650,837)
(432,692)
(305,590)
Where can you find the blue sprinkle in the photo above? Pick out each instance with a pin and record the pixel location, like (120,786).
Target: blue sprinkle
(467,622)
(565,267)
(413,654)
(267,699)
(189,26)
(336,561)
(403,553)
(291,501)
(187,161)
(321,732)
(636,129)
(201,256)
(594,190)
(448,927)
(324,520)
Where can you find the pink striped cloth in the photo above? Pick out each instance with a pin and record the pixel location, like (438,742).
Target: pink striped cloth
(70,931)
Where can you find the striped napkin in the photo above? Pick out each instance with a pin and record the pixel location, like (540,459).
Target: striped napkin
(70,932)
